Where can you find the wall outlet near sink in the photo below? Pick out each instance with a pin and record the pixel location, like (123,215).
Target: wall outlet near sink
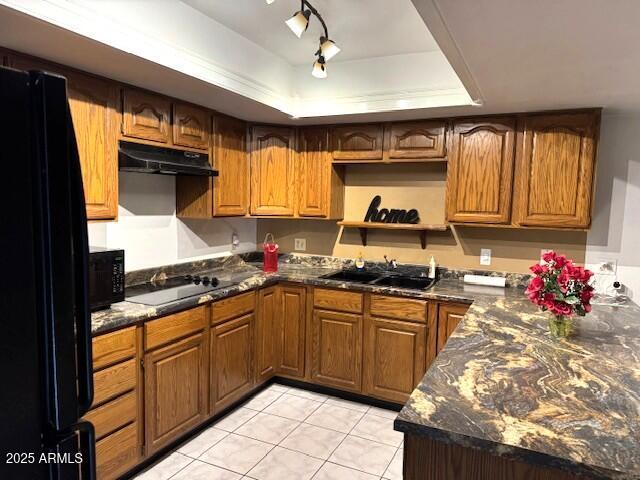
(300,244)
(485,256)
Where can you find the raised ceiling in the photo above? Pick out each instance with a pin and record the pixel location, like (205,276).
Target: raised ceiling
(362,28)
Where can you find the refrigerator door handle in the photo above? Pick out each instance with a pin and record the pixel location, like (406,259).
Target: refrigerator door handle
(81,273)
(88,449)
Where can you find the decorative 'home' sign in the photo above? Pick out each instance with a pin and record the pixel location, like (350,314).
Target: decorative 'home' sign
(389,216)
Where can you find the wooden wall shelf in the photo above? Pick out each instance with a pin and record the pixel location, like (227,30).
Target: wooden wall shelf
(421,228)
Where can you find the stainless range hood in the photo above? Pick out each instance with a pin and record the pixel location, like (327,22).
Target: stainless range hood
(135,157)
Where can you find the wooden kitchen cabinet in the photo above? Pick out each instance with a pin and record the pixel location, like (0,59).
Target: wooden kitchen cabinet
(556,159)
(449,316)
(320,184)
(414,141)
(394,358)
(191,126)
(146,116)
(267,320)
(357,142)
(336,350)
(94,111)
(273,186)
(116,412)
(227,194)
(231,361)
(292,331)
(229,155)
(480,171)
(176,390)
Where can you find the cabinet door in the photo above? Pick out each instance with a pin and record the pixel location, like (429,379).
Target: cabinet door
(480,171)
(357,142)
(176,390)
(266,328)
(291,340)
(231,186)
(415,140)
(449,316)
(272,171)
(336,351)
(231,361)
(556,162)
(93,104)
(394,360)
(146,116)
(190,126)
(314,169)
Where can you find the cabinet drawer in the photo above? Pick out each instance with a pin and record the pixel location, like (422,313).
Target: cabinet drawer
(113,381)
(113,415)
(118,452)
(233,307)
(401,308)
(338,300)
(166,329)
(114,347)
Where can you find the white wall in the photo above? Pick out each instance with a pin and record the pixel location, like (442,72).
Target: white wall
(151,235)
(615,232)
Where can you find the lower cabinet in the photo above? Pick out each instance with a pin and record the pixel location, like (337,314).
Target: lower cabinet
(394,358)
(115,412)
(336,350)
(449,316)
(231,361)
(291,332)
(266,327)
(175,390)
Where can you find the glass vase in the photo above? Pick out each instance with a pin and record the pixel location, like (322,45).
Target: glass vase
(560,326)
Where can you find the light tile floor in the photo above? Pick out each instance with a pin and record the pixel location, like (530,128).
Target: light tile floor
(285,433)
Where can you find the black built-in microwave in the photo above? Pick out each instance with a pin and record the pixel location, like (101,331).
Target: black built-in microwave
(106,277)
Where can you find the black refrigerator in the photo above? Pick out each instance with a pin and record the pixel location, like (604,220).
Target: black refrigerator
(46,383)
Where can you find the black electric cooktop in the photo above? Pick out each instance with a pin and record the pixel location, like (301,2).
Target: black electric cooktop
(172,289)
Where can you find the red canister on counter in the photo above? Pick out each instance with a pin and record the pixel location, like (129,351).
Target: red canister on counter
(270,248)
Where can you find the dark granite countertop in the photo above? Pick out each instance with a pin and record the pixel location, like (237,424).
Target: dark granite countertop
(247,276)
(502,383)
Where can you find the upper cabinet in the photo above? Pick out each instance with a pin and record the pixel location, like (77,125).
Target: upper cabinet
(93,103)
(273,187)
(357,142)
(190,126)
(555,169)
(146,116)
(480,171)
(320,184)
(413,141)
(229,154)
(153,118)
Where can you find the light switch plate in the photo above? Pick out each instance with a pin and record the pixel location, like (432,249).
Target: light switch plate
(485,256)
(300,244)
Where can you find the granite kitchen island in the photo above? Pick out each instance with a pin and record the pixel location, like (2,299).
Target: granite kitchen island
(505,400)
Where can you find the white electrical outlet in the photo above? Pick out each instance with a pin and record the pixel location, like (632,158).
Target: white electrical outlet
(485,256)
(235,241)
(300,244)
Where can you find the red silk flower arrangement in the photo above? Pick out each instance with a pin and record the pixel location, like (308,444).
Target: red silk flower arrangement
(560,287)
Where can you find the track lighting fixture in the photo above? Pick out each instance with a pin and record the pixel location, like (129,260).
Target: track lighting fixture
(319,70)
(298,24)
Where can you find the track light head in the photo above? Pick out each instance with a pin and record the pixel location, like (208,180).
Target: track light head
(299,22)
(328,48)
(319,69)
